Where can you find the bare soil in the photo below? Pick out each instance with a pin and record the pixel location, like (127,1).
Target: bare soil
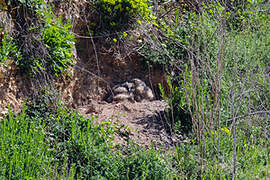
(143,122)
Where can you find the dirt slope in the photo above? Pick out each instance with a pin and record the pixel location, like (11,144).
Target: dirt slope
(141,121)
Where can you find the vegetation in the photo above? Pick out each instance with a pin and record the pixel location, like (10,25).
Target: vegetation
(117,14)
(43,41)
(8,50)
(217,58)
(224,89)
(48,141)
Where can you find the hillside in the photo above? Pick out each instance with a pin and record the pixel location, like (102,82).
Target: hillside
(122,89)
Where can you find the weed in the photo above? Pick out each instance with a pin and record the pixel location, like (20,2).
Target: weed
(8,49)
(43,40)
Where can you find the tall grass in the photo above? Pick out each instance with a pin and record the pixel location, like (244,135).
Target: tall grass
(225,89)
(23,151)
(62,144)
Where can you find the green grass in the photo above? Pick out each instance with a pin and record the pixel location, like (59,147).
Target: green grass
(23,153)
(253,158)
(48,141)
(65,144)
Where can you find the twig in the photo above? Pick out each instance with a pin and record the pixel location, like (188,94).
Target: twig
(94,37)
(249,114)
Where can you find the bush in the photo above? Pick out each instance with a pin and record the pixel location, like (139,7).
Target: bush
(252,156)
(59,41)
(23,151)
(49,141)
(44,41)
(178,115)
(224,91)
(88,149)
(116,14)
(8,50)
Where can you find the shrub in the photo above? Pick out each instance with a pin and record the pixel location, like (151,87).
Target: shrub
(23,153)
(253,158)
(59,41)
(116,14)
(8,50)
(44,41)
(84,149)
(88,149)
(226,94)
(178,115)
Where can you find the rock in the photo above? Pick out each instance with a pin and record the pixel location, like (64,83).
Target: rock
(120,90)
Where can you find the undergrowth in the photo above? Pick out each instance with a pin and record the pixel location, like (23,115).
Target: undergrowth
(224,89)
(119,14)
(43,41)
(8,49)
(49,141)
(218,97)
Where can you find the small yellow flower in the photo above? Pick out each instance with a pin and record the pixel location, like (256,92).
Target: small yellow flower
(109,10)
(114,40)
(125,34)
(154,17)
(139,22)
(226,130)
(112,23)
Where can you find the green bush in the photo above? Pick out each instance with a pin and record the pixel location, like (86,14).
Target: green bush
(8,50)
(252,156)
(59,41)
(178,115)
(116,14)
(23,151)
(45,42)
(49,141)
(88,148)
(216,92)
(165,54)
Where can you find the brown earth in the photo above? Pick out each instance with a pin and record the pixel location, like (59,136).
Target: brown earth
(142,122)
